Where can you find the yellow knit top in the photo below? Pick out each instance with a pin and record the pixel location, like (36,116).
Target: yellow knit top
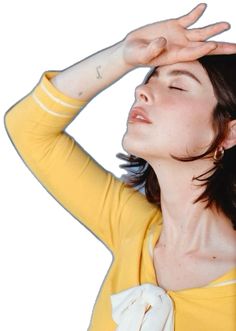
(120,217)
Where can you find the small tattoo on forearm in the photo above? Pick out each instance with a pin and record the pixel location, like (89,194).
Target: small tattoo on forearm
(99,75)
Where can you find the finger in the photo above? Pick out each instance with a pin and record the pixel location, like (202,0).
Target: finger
(192,16)
(193,53)
(153,49)
(224,48)
(202,34)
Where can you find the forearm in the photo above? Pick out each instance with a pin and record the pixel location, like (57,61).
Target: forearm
(85,79)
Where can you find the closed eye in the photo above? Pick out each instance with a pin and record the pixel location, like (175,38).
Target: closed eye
(176,88)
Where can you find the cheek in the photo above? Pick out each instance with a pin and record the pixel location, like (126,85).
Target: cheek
(199,122)
(178,127)
(184,125)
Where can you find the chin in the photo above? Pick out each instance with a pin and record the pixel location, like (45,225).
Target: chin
(132,147)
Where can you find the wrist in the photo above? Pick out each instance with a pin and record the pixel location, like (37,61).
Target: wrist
(118,57)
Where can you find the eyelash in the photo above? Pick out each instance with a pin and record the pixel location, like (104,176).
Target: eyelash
(176,88)
(170,87)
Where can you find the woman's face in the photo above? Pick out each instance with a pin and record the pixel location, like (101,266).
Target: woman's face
(181,119)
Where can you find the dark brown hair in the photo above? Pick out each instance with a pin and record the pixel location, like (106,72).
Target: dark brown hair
(220,186)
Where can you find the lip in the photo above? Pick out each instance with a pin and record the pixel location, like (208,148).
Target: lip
(138,111)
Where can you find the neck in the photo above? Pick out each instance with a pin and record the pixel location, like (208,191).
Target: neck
(186,225)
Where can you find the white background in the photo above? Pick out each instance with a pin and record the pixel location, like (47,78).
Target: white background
(52,267)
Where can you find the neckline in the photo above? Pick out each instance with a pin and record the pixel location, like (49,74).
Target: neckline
(153,235)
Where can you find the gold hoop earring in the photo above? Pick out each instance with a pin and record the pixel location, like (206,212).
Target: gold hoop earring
(219,153)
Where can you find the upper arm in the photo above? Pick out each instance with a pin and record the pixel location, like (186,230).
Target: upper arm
(91,194)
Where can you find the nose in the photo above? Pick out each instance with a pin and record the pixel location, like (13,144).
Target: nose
(143,94)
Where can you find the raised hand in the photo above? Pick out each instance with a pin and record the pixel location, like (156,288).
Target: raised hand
(169,41)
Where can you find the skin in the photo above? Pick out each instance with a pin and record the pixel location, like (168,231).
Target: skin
(191,237)
(170,41)
(177,119)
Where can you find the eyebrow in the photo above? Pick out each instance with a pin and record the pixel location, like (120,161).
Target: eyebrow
(184,72)
(181,72)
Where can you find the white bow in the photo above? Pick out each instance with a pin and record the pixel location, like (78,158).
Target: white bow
(143,308)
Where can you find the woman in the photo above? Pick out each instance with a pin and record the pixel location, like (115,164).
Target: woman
(162,243)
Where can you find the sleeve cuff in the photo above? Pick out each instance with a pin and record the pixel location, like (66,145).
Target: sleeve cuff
(54,101)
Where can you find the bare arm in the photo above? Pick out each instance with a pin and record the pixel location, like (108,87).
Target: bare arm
(142,47)
(85,79)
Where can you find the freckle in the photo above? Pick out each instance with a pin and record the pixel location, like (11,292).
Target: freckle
(214,257)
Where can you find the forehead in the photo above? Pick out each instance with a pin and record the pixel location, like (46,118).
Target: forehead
(194,67)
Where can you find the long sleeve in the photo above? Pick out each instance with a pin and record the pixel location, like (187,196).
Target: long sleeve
(94,196)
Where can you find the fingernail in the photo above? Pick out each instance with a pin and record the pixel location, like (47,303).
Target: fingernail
(161,40)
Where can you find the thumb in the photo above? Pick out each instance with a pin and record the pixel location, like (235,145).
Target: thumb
(155,48)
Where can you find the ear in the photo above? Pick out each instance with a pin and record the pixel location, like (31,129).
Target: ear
(230,140)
